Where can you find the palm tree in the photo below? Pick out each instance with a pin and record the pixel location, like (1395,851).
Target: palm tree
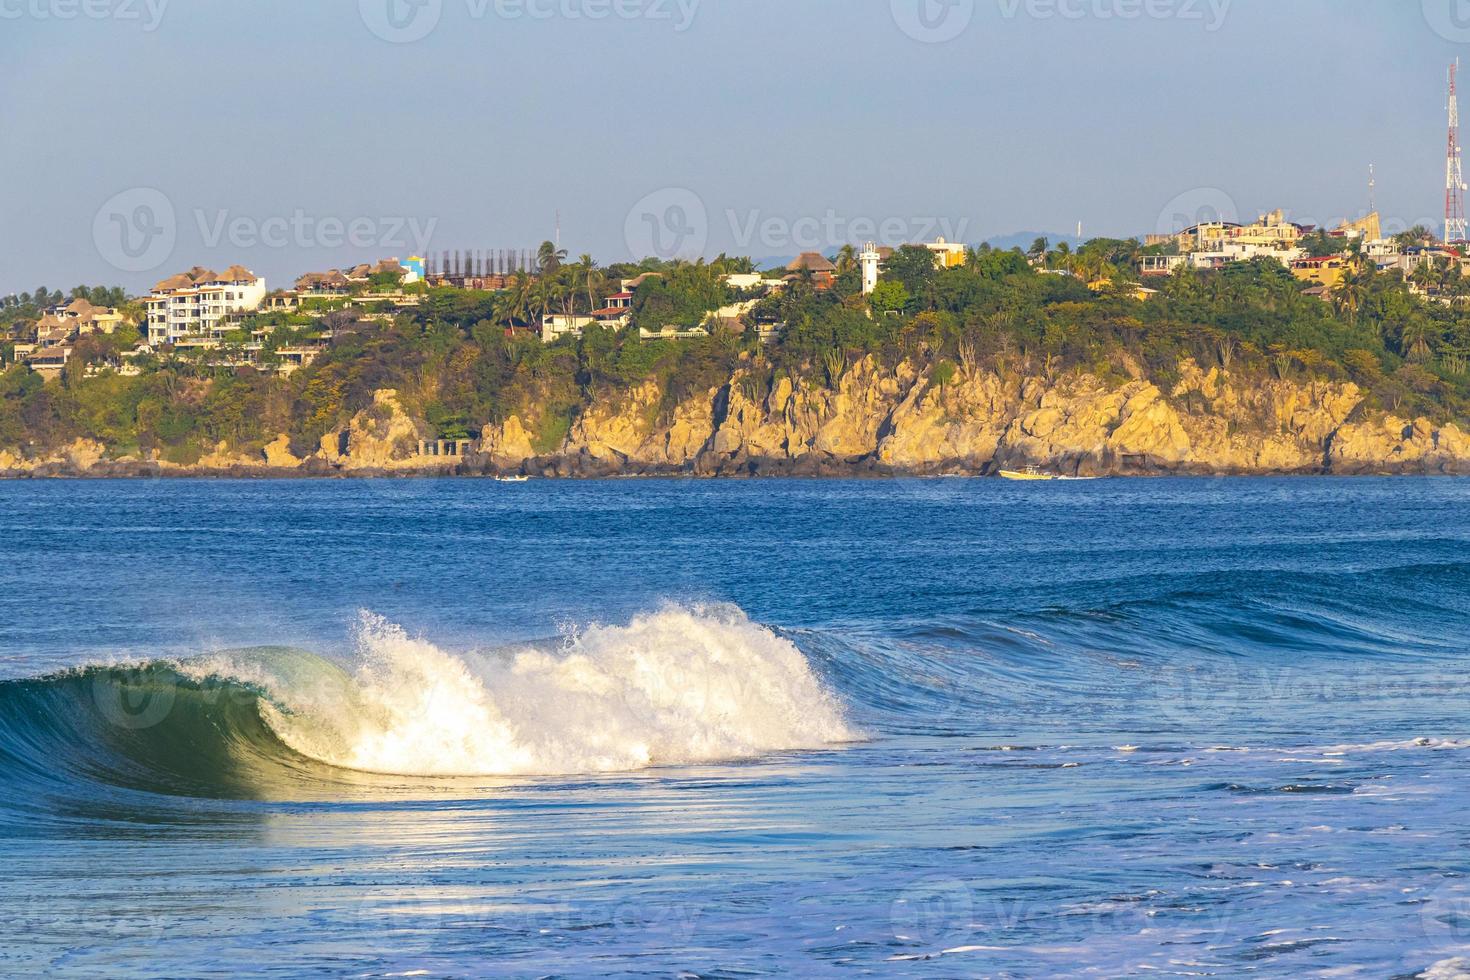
(1351,293)
(1449,278)
(542,296)
(549,258)
(1089,267)
(1414,339)
(564,289)
(1061,258)
(1458,287)
(1424,275)
(1355,253)
(592,279)
(522,289)
(1416,235)
(846,259)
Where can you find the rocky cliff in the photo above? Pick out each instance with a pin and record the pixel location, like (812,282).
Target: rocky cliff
(906,421)
(873,420)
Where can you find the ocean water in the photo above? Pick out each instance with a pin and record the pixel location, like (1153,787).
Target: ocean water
(923,728)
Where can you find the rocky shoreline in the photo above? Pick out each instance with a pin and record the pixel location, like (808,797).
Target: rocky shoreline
(586,468)
(878,423)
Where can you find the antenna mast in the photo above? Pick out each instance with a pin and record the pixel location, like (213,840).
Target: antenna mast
(1454,194)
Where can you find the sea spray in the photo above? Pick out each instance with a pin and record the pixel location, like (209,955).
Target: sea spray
(677,686)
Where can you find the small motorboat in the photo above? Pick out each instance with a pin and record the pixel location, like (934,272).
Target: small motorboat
(1029,473)
(512,479)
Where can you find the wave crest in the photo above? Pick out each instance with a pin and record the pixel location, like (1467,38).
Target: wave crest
(679,686)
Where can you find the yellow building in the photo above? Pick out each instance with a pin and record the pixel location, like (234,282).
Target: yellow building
(1326,271)
(1368,228)
(947,255)
(1269,231)
(1138,292)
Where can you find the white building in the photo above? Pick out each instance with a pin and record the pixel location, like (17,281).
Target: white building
(1243,252)
(672,332)
(555,326)
(747,281)
(201,302)
(872,263)
(743,280)
(1160,265)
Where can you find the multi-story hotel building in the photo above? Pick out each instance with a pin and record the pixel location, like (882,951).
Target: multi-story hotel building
(201,303)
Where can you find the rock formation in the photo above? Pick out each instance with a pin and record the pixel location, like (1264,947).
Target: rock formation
(904,420)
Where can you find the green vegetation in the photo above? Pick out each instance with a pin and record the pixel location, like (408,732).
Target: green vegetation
(463,359)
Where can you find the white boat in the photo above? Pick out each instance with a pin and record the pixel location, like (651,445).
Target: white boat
(511,479)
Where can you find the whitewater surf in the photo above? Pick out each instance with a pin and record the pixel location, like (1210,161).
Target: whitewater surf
(683,685)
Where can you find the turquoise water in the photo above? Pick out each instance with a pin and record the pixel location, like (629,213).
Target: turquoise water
(931,728)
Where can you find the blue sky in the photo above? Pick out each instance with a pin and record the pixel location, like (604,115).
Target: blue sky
(291,135)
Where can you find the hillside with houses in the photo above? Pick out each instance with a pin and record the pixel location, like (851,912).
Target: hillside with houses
(1338,350)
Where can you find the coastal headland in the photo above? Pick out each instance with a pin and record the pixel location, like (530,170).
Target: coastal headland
(876,422)
(1116,359)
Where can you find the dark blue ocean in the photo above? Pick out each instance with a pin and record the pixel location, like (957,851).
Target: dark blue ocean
(942,728)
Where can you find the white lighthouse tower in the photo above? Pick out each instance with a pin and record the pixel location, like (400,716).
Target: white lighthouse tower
(870,260)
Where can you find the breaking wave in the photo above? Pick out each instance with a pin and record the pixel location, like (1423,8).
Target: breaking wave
(674,687)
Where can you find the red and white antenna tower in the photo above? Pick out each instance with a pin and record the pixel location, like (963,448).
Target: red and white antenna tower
(1454,187)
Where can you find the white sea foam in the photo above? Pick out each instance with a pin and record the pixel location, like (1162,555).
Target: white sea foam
(679,686)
